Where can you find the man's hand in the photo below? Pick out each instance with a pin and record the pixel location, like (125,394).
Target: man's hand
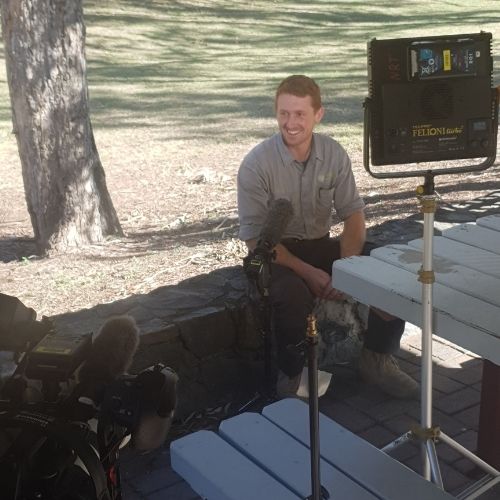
(320,284)
(318,281)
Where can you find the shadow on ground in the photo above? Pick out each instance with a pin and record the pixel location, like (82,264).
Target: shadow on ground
(191,235)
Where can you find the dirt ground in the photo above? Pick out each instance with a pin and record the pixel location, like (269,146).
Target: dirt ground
(179,217)
(180,92)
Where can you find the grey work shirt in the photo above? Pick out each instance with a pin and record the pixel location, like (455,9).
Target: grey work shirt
(269,172)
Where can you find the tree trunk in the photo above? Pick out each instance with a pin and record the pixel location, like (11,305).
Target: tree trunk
(64,181)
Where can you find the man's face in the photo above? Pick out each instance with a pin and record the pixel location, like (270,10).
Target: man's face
(296,119)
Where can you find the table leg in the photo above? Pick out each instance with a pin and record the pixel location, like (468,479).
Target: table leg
(488,440)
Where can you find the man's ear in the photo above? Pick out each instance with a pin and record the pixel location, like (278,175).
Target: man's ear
(318,116)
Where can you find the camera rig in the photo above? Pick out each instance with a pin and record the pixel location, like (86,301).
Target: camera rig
(57,439)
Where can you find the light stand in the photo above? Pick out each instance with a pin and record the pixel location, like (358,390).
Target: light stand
(426,434)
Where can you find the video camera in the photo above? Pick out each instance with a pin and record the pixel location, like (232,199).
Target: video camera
(69,406)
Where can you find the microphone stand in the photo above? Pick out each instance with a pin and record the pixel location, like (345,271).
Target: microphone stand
(257,267)
(318,491)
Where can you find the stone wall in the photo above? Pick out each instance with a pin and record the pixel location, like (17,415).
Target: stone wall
(201,328)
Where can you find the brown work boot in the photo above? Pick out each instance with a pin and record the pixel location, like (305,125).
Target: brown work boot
(383,371)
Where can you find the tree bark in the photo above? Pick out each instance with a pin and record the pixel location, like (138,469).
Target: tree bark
(64,181)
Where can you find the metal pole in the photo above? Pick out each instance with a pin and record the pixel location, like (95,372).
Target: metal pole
(426,277)
(312,339)
(426,387)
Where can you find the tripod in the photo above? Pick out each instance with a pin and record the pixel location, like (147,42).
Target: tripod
(426,433)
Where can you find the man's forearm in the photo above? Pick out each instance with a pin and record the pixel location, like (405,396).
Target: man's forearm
(318,281)
(353,236)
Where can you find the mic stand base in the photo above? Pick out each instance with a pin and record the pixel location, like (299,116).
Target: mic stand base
(324,495)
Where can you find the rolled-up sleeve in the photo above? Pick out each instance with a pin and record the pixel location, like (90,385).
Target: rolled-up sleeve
(346,199)
(253,198)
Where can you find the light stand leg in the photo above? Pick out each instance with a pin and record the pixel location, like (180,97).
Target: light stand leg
(433,463)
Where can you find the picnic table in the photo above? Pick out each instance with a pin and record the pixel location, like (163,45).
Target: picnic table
(466,301)
(266,457)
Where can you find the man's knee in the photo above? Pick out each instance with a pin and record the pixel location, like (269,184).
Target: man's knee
(289,291)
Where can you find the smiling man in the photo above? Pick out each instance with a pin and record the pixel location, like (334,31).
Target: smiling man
(314,173)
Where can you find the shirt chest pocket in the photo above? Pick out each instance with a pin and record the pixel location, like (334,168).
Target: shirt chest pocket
(324,203)
(325,197)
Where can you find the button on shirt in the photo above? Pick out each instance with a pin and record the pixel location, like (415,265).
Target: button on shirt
(325,181)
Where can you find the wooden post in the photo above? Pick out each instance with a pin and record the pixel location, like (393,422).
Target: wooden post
(489,416)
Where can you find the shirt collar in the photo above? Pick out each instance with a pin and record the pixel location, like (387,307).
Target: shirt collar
(285,154)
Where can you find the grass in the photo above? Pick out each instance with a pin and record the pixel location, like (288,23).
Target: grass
(206,69)
(183,88)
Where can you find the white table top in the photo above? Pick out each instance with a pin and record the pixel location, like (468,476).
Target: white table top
(466,293)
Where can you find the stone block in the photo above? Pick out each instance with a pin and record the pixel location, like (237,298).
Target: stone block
(116,308)
(172,354)
(207,334)
(80,322)
(247,329)
(155,332)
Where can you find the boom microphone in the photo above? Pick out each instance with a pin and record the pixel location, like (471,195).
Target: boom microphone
(111,355)
(278,217)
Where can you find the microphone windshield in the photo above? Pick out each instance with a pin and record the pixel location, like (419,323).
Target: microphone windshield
(112,351)
(277,220)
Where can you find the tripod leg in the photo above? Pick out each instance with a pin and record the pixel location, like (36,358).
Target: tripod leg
(466,453)
(434,464)
(426,466)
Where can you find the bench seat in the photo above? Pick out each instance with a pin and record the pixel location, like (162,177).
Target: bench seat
(267,456)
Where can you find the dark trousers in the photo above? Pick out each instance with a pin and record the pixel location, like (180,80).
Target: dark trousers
(292,302)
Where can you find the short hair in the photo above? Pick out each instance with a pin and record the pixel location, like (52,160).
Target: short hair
(300,86)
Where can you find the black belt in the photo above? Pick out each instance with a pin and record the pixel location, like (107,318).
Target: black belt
(284,241)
